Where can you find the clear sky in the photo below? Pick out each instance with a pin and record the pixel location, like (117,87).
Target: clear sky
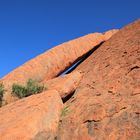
(30,27)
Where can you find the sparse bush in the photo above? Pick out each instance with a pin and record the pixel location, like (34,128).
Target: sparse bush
(19,90)
(34,88)
(31,87)
(65,111)
(1,92)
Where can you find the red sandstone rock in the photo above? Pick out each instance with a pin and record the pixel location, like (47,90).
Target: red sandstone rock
(106,104)
(108,34)
(33,117)
(65,85)
(51,63)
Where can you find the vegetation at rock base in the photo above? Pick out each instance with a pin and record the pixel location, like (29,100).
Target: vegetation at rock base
(31,87)
(65,111)
(1,92)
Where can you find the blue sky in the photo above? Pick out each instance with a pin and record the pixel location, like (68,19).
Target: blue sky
(30,27)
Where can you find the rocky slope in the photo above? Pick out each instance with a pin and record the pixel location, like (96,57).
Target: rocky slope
(105,86)
(106,104)
(51,63)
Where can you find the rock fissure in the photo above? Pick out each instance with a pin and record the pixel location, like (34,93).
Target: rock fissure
(83,58)
(107,116)
(54,62)
(65,99)
(88,121)
(133,68)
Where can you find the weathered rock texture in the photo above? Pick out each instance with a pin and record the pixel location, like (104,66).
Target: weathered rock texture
(31,118)
(53,62)
(106,104)
(65,85)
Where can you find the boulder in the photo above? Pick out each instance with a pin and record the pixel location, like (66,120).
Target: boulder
(106,104)
(65,85)
(51,63)
(32,118)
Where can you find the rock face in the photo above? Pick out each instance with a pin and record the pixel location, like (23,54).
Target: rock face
(31,118)
(51,63)
(106,104)
(108,34)
(65,85)
(106,101)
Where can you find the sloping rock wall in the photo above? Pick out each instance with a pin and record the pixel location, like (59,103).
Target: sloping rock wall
(51,63)
(106,104)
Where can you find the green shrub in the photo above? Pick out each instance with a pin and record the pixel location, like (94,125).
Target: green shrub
(31,88)
(65,111)
(1,92)
(19,90)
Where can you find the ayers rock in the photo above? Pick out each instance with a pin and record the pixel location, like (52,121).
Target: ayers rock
(101,94)
(53,62)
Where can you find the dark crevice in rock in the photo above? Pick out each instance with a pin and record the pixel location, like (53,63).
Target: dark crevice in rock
(87,121)
(74,66)
(136,67)
(108,116)
(79,61)
(92,126)
(121,110)
(125,52)
(67,97)
(133,68)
